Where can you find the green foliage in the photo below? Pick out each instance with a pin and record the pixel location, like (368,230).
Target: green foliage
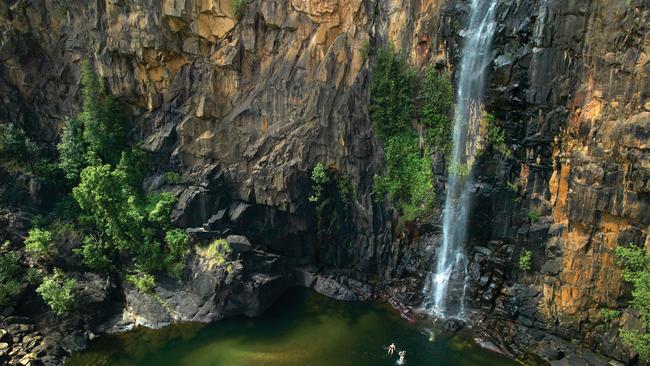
(408,173)
(409,177)
(102,118)
(609,314)
(10,284)
(319,179)
(347,191)
(533,215)
(114,207)
(107,201)
(640,342)
(217,252)
(460,170)
(136,165)
(144,282)
(34,276)
(97,133)
(525,260)
(39,243)
(391,95)
(411,212)
(66,208)
(172,178)
(56,290)
(178,248)
(15,146)
(636,270)
(238,7)
(159,208)
(513,186)
(496,137)
(437,98)
(72,149)
(95,254)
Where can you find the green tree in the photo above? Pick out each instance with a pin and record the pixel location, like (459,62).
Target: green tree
(408,177)
(106,199)
(39,243)
(102,116)
(391,95)
(95,254)
(636,270)
(178,248)
(319,179)
(57,292)
(132,226)
(159,208)
(72,149)
(136,165)
(408,172)
(15,146)
(172,177)
(437,98)
(10,284)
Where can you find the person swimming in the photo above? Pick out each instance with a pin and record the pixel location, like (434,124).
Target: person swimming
(391,349)
(402,358)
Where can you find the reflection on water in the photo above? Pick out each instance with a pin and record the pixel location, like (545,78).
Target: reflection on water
(301,329)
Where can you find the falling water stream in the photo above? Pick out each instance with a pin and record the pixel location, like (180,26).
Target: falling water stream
(449,277)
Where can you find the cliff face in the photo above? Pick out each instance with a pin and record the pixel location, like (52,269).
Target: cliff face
(571,82)
(245,106)
(253,102)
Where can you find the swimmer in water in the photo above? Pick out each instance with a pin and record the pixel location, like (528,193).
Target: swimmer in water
(402,355)
(391,349)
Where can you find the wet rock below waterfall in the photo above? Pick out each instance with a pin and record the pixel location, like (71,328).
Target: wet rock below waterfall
(453,325)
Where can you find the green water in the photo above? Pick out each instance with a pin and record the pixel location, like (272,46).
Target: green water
(301,329)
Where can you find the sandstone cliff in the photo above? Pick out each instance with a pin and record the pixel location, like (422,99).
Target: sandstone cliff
(245,106)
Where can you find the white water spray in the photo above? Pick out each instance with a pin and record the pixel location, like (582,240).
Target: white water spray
(449,279)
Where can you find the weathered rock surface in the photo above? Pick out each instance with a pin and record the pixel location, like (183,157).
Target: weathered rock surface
(244,108)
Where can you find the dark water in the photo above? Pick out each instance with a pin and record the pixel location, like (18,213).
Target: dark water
(301,329)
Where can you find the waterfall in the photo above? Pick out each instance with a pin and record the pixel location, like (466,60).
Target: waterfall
(448,285)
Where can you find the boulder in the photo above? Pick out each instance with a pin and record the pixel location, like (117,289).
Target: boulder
(200,233)
(332,288)
(238,243)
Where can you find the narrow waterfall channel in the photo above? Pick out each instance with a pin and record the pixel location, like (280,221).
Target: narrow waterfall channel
(449,276)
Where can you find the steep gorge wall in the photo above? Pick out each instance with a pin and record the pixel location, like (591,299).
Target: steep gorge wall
(246,107)
(570,84)
(255,102)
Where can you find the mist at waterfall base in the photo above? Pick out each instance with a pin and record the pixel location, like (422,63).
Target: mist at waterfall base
(445,295)
(301,328)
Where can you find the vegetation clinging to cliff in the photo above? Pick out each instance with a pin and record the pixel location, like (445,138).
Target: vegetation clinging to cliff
(437,98)
(10,284)
(393,95)
(56,290)
(118,226)
(636,270)
(525,260)
(238,7)
(318,180)
(15,146)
